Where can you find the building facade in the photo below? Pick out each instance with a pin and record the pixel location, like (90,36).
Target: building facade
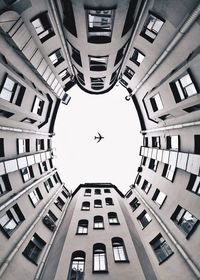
(152,48)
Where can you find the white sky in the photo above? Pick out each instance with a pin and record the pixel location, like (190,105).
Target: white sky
(80,159)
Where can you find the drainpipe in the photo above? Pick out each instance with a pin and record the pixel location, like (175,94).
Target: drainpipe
(182,252)
(186,25)
(55,12)
(12,129)
(176,126)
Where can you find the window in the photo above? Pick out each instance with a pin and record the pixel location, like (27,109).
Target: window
(5,114)
(194,184)
(123,83)
(109,201)
(76,56)
(112,218)
(77,266)
(64,74)
(193,108)
(56,57)
(28,120)
(12,91)
(98,222)
(129,17)
(59,203)
(100,26)
(97,83)
(69,21)
(43,27)
(114,76)
(138,179)
(106,190)
(161,248)
(49,222)
(52,216)
(145,141)
(152,27)
(43,167)
(39,144)
(129,73)
(183,87)
(38,105)
(129,193)
(153,164)
(156,141)
(119,250)
(146,186)
(97,203)
(34,248)
(173,142)
(97,191)
(87,192)
(144,219)
(82,227)
(56,178)
(27,173)
(137,57)
(169,172)
(196,144)
(85,206)
(159,198)
(156,102)
(143,161)
(98,63)
(65,194)
(23,146)
(134,204)
(35,197)
(165,117)
(99,258)
(11,220)
(1,147)
(48,184)
(185,221)
(4,184)
(120,54)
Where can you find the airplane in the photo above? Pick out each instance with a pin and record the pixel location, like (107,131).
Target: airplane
(100,137)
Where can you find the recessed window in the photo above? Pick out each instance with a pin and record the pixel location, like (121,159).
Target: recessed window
(98,63)
(146,186)
(56,178)
(10,221)
(28,120)
(153,164)
(152,27)
(43,27)
(85,206)
(156,141)
(59,203)
(39,144)
(69,20)
(97,203)
(161,248)
(65,194)
(56,57)
(173,142)
(23,146)
(82,227)
(109,201)
(144,219)
(120,54)
(5,114)
(159,198)
(77,266)
(165,117)
(183,87)
(106,190)
(129,194)
(137,57)
(112,218)
(4,184)
(52,216)
(185,221)
(97,191)
(34,248)
(129,17)
(193,108)
(2,147)
(114,76)
(123,83)
(194,184)
(99,258)
(138,179)
(49,222)
(64,74)
(48,185)
(12,91)
(80,76)
(38,106)
(100,24)
(134,204)
(76,56)
(129,73)
(119,250)
(156,102)
(143,161)
(43,167)
(98,222)
(97,83)
(35,197)
(169,172)
(196,144)
(27,173)
(87,192)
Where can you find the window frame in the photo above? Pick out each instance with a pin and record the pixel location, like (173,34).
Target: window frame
(56,57)
(99,253)
(144,219)
(119,250)
(159,243)
(135,57)
(156,195)
(82,227)
(98,222)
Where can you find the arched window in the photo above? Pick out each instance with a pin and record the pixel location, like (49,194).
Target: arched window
(82,227)
(87,192)
(112,218)
(99,258)
(97,191)
(107,190)
(109,201)
(97,203)
(76,270)
(119,250)
(85,205)
(98,222)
